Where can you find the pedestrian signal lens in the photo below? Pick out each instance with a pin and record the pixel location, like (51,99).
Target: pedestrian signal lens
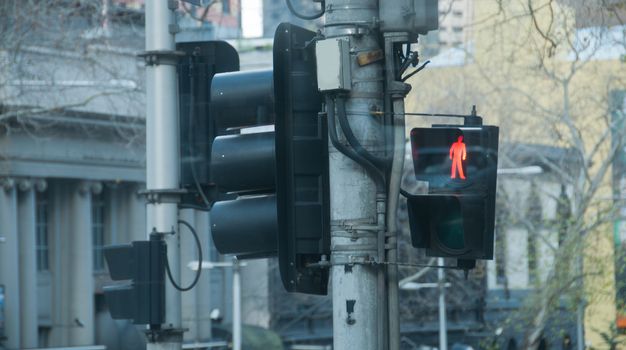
(450,158)
(451,229)
(458,154)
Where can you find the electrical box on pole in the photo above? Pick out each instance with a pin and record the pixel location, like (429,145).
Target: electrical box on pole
(410,16)
(280,176)
(142,298)
(455,218)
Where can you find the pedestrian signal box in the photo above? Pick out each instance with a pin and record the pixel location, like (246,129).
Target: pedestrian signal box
(456,217)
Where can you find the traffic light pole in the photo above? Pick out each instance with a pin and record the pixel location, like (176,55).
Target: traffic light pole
(162,161)
(357,201)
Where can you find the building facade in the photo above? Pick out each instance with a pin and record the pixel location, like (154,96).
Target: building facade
(72,166)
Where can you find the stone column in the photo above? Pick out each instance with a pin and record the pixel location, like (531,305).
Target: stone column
(80,267)
(203,290)
(9,262)
(28,263)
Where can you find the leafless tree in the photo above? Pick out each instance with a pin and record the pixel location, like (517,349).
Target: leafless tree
(548,72)
(63,57)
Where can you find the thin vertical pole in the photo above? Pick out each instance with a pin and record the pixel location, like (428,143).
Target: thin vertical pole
(355,200)
(443,332)
(162,158)
(236,306)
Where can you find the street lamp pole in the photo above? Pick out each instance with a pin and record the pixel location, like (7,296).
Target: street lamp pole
(236,306)
(443,336)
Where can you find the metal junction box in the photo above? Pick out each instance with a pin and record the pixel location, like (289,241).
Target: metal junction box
(410,16)
(333,64)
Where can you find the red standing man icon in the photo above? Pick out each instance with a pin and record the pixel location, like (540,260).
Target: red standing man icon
(457,154)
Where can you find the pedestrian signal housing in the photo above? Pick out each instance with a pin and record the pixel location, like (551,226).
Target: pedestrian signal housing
(142,298)
(456,217)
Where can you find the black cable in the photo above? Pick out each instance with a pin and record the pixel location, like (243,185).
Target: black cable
(381,163)
(408,50)
(437,115)
(416,71)
(405,193)
(334,139)
(411,60)
(167,264)
(306,17)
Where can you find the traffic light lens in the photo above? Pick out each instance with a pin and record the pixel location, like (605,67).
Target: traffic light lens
(450,231)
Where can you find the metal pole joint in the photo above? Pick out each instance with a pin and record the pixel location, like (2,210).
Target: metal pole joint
(162,57)
(163,195)
(165,335)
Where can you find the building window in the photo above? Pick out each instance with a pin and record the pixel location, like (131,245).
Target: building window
(43,334)
(532,257)
(41,227)
(226,6)
(534,217)
(503,217)
(457,29)
(97,228)
(563,214)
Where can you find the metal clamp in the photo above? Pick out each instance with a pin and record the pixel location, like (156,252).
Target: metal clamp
(398,89)
(158,57)
(163,195)
(352,260)
(356,28)
(350,310)
(158,334)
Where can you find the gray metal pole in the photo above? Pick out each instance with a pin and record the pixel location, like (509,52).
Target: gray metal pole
(443,335)
(396,91)
(162,151)
(354,199)
(580,312)
(236,305)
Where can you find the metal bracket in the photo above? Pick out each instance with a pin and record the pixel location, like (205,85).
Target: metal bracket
(160,235)
(158,57)
(356,28)
(350,310)
(352,260)
(163,195)
(164,334)
(324,263)
(398,89)
(174,28)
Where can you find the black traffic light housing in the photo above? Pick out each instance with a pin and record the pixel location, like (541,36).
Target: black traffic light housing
(281,176)
(456,217)
(302,176)
(142,298)
(198,63)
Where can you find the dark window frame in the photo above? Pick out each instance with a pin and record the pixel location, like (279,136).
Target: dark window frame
(98,208)
(42,232)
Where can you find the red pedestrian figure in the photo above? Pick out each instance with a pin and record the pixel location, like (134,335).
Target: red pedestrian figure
(458,153)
